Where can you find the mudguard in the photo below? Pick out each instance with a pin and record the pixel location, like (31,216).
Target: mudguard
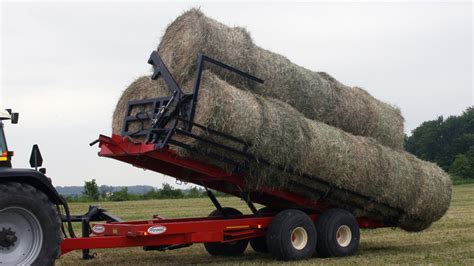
(33,178)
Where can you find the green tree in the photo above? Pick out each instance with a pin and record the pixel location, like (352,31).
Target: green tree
(194,192)
(105,191)
(168,192)
(91,190)
(441,140)
(462,167)
(151,194)
(121,195)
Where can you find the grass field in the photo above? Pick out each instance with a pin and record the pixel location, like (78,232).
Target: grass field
(448,241)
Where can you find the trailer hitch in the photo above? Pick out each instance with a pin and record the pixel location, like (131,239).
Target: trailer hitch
(95,213)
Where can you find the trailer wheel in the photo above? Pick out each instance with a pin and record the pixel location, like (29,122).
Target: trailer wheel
(29,226)
(291,236)
(235,248)
(338,234)
(259,244)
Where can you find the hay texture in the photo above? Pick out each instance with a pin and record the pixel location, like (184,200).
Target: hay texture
(317,95)
(281,135)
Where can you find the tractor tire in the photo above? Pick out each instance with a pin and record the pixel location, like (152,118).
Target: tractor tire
(291,236)
(29,226)
(338,234)
(229,249)
(259,244)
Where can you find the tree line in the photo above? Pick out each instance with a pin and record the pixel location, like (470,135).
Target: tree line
(92,192)
(449,142)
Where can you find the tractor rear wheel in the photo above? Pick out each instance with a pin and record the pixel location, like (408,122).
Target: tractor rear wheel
(235,248)
(29,226)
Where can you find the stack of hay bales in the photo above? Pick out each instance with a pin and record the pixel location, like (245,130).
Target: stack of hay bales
(364,157)
(316,95)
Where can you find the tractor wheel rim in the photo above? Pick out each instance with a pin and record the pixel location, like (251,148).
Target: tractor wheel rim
(299,238)
(343,236)
(28,240)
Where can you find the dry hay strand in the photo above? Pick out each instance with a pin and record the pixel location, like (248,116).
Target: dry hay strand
(317,95)
(282,136)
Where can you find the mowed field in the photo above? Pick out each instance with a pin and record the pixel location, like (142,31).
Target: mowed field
(448,241)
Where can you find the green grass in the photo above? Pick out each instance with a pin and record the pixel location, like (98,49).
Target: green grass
(448,241)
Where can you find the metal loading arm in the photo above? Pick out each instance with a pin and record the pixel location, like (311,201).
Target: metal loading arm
(187,103)
(169,112)
(202,59)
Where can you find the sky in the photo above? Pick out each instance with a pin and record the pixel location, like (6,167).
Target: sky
(65,64)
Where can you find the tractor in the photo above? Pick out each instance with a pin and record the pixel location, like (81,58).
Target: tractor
(29,222)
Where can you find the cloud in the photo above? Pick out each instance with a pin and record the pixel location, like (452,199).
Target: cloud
(43,109)
(64,65)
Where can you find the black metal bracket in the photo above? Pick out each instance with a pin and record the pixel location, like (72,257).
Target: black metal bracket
(162,120)
(202,59)
(160,69)
(216,202)
(246,197)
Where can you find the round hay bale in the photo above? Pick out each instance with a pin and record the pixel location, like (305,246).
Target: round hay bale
(142,88)
(317,95)
(284,137)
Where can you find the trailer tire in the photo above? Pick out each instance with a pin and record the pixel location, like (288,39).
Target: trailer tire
(229,249)
(338,234)
(259,244)
(291,236)
(23,208)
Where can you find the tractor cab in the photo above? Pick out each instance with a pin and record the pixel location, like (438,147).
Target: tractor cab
(5,154)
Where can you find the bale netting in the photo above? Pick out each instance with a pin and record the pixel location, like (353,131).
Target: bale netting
(288,140)
(315,94)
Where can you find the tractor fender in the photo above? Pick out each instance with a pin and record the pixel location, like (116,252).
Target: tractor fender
(33,178)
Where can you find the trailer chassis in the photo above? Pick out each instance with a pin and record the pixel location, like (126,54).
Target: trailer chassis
(166,234)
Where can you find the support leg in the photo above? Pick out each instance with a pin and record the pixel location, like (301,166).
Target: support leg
(215,202)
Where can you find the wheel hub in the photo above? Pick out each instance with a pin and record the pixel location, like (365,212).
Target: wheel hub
(299,238)
(343,236)
(7,238)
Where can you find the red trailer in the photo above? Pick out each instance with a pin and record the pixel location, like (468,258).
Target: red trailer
(289,223)
(291,226)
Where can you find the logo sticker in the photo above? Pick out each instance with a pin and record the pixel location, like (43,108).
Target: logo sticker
(156,230)
(98,229)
